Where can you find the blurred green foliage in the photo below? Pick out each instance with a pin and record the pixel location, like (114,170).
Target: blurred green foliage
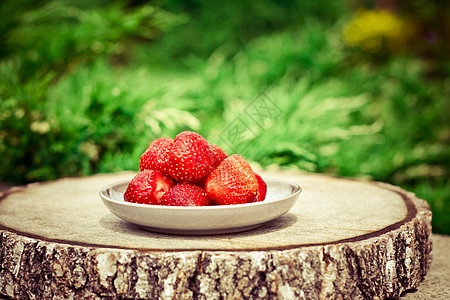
(86,85)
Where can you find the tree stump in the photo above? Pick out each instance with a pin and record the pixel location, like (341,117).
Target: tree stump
(343,238)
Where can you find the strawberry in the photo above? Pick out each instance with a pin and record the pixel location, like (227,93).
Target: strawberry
(262,188)
(219,154)
(191,158)
(185,194)
(147,187)
(201,183)
(157,156)
(232,182)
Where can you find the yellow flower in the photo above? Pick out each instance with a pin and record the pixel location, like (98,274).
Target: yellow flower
(377,30)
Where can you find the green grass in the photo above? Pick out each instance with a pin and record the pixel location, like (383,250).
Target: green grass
(89,94)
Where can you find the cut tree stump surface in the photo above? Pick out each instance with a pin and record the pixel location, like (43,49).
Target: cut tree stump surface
(343,238)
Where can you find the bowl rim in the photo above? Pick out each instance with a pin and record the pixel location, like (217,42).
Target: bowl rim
(105,196)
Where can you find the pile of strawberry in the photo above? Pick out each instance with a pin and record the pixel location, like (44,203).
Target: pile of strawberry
(188,171)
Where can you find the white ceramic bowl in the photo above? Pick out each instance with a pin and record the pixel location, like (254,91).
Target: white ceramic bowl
(217,219)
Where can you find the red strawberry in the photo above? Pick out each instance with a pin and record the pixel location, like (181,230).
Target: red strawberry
(201,183)
(232,182)
(147,187)
(157,156)
(219,156)
(185,194)
(262,188)
(191,159)
(218,152)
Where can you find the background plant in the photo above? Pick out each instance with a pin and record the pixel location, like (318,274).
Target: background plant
(85,86)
